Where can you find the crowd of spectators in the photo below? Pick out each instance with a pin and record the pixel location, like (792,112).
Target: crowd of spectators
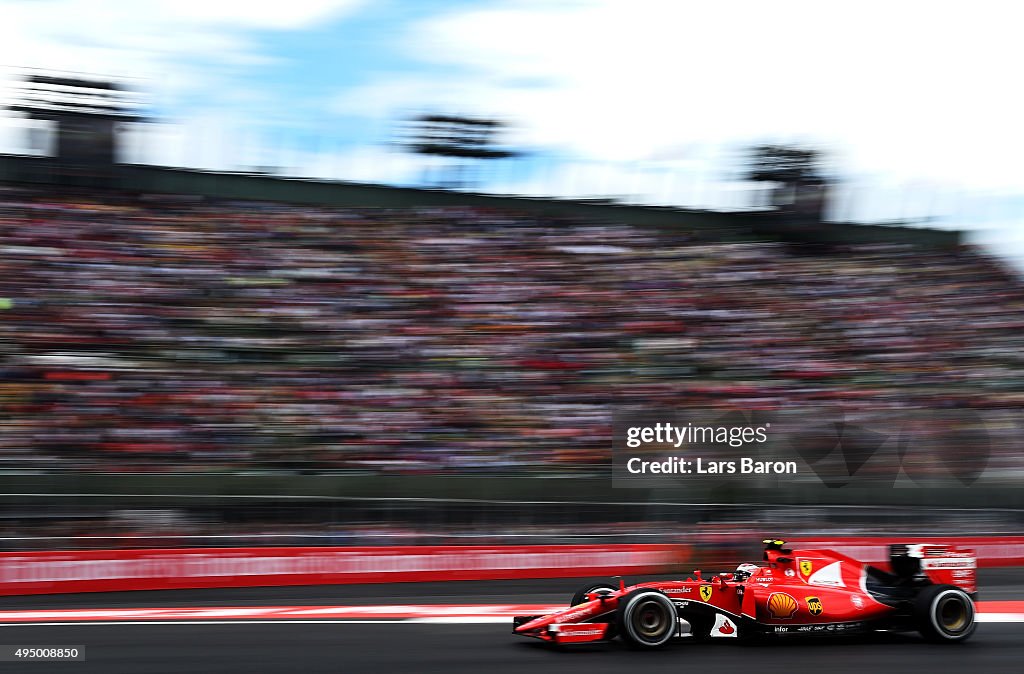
(175,335)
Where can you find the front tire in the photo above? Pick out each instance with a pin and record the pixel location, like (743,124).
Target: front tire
(646,619)
(944,614)
(597,586)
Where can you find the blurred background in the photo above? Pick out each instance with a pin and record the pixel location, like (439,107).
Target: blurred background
(335,272)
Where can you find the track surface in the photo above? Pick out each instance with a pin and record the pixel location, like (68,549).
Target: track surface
(307,648)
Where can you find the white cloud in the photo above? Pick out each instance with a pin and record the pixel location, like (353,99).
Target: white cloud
(269,14)
(171,50)
(145,39)
(910,89)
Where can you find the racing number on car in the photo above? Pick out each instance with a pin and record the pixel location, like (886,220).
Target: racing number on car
(705,592)
(814,605)
(806,567)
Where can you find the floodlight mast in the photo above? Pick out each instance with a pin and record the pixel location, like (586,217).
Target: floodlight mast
(801,187)
(464,141)
(87,113)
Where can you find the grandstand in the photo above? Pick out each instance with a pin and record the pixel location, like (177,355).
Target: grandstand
(155,335)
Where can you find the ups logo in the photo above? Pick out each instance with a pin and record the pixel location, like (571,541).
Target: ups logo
(806,567)
(705,592)
(814,605)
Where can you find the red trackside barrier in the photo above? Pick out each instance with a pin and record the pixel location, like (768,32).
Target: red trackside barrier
(115,570)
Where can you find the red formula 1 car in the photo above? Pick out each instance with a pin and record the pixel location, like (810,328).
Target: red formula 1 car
(929,588)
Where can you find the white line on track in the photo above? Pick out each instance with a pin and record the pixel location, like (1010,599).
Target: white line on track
(282,621)
(442,620)
(1000,617)
(451,620)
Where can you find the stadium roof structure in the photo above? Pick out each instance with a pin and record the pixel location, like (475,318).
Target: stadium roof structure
(33,172)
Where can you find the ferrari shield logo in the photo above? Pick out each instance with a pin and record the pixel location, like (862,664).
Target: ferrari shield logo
(705,592)
(814,605)
(806,567)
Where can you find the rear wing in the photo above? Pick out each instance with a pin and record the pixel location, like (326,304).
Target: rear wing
(942,564)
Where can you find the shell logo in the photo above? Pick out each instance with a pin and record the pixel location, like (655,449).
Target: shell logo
(781,605)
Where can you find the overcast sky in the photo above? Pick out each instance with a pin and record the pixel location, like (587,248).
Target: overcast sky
(918,103)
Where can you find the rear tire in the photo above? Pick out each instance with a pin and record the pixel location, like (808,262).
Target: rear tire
(944,614)
(646,619)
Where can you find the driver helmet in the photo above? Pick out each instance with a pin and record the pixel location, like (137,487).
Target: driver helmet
(746,570)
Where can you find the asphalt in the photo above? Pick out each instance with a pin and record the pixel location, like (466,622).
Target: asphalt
(307,648)
(472,649)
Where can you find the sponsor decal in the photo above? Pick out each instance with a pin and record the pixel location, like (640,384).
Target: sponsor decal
(723,627)
(949,563)
(830,627)
(781,629)
(687,590)
(705,592)
(806,567)
(570,617)
(827,576)
(569,631)
(781,606)
(857,601)
(790,572)
(814,605)
(681,604)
